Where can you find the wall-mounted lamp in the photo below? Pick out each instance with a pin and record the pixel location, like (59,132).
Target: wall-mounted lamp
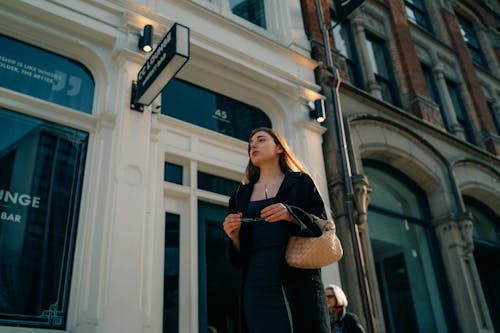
(146,39)
(317,110)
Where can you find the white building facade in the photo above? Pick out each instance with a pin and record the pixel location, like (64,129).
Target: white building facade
(111,218)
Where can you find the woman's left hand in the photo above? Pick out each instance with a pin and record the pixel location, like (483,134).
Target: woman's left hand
(276,212)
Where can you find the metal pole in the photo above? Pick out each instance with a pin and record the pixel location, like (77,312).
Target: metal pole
(346,169)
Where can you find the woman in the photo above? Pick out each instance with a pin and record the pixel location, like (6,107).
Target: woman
(275,297)
(341,320)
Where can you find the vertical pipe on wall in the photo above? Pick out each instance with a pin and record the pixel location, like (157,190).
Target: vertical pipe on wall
(347,176)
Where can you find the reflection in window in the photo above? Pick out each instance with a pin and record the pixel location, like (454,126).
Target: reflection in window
(344,42)
(416,13)
(472,42)
(486,235)
(171,274)
(382,69)
(486,230)
(251,10)
(43,74)
(210,110)
(41,167)
(404,253)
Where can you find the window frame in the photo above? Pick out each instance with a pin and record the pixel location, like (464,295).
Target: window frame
(422,221)
(390,80)
(56,316)
(434,93)
(471,39)
(418,7)
(265,11)
(461,114)
(352,61)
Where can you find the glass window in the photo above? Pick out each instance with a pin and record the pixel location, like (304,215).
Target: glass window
(404,253)
(171,275)
(218,279)
(251,10)
(495,117)
(417,13)
(485,228)
(486,235)
(216,184)
(380,61)
(434,93)
(210,110)
(43,74)
(460,112)
(41,168)
(344,42)
(472,42)
(173,173)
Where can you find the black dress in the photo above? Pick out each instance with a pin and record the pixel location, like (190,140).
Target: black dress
(265,306)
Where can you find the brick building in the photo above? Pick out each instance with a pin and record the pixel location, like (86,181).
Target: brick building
(420,102)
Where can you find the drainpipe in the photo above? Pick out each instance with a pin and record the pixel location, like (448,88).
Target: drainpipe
(347,175)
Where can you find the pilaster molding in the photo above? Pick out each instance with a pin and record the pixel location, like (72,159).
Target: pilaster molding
(456,232)
(361,198)
(465,225)
(337,193)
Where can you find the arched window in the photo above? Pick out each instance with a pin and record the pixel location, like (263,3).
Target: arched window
(219,113)
(45,75)
(404,252)
(486,235)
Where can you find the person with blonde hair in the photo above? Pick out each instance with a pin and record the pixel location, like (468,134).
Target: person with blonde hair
(275,297)
(341,321)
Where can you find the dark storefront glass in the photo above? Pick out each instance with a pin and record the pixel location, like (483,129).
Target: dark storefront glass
(42,74)
(218,279)
(210,110)
(171,275)
(41,168)
(409,274)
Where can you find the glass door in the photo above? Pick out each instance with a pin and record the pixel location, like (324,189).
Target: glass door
(218,279)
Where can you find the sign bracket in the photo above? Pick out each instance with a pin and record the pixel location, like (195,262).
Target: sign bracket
(134,105)
(167,59)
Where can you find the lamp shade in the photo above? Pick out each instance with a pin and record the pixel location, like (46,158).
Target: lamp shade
(146,39)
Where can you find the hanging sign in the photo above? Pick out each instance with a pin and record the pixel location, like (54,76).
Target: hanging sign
(165,61)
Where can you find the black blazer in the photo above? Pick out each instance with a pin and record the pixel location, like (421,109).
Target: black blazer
(303,287)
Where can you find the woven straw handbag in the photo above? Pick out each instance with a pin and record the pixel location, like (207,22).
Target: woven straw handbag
(315,252)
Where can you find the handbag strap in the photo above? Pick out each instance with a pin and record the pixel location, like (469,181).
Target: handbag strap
(324,225)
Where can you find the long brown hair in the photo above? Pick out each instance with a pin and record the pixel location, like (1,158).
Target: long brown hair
(287,160)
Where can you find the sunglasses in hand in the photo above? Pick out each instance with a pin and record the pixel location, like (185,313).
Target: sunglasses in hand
(252,219)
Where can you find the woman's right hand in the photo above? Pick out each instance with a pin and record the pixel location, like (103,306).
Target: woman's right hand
(232,225)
